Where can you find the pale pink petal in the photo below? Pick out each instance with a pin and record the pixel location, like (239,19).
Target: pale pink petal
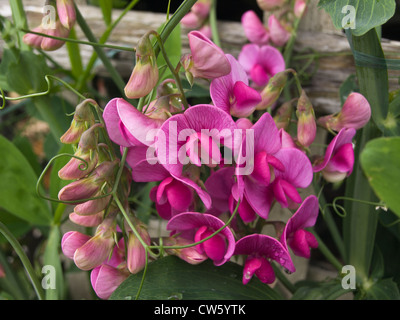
(254,29)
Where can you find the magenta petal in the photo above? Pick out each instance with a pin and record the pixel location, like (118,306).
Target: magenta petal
(248,56)
(246,212)
(298,170)
(305,217)
(209,61)
(265,273)
(214,247)
(203,195)
(259,75)
(265,246)
(343,137)
(112,121)
(219,185)
(138,124)
(272,60)
(250,267)
(301,241)
(259,197)
(266,135)
(343,159)
(188,221)
(254,29)
(179,195)
(246,98)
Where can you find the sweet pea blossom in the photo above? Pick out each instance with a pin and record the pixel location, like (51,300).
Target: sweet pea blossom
(260,250)
(294,234)
(196,226)
(206,60)
(254,29)
(355,113)
(278,31)
(232,93)
(261,62)
(338,161)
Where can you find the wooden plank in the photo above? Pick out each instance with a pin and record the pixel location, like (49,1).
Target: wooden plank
(323,87)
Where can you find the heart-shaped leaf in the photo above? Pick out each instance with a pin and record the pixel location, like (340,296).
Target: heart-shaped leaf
(171,278)
(380,161)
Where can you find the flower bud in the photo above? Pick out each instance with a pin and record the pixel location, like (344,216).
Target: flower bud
(306,125)
(283,115)
(355,113)
(83,120)
(144,76)
(136,253)
(71,241)
(90,185)
(300,7)
(50,44)
(105,279)
(34,40)
(273,90)
(87,221)
(66,13)
(76,168)
(98,248)
(190,254)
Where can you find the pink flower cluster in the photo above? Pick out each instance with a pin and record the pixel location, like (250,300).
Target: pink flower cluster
(228,160)
(57,25)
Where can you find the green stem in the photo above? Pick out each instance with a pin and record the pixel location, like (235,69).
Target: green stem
(74,55)
(119,82)
(327,253)
(172,69)
(361,219)
(24,259)
(213,23)
(103,39)
(19,17)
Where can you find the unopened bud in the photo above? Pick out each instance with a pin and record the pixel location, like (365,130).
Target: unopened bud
(306,125)
(273,89)
(190,254)
(136,253)
(144,76)
(66,13)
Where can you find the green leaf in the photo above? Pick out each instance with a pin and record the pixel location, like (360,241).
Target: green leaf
(18,186)
(172,278)
(385,289)
(368,14)
(308,290)
(380,161)
(23,72)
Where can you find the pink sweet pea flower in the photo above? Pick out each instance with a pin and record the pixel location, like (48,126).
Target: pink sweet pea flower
(338,161)
(87,221)
(254,29)
(171,197)
(206,59)
(294,233)
(196,226)
(260,250)
(127,126)
(261,62)
(194,137)
(106,277)
(66,13)
(232,93)
(355,113)
(298,174)
(278,33)
(254,185)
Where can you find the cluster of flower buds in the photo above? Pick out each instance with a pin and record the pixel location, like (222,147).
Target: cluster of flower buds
(197,18)
(282,14)
(57,22)
(93,173)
